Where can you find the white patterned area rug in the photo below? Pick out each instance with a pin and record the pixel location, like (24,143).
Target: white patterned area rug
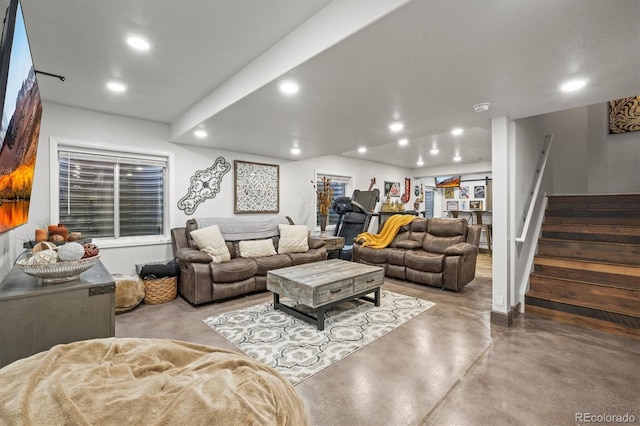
(297,349)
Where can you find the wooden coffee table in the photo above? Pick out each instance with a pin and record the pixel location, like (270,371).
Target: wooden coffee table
(323,285)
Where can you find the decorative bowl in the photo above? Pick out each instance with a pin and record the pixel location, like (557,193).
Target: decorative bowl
(58,272)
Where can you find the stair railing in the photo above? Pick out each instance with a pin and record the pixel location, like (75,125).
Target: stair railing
(536,197)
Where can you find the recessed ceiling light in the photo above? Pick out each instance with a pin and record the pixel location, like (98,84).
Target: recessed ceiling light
(484,106)
(396,126)
(457,131)
(200,133)
(434,151)
(138,43)
(403,141)
(114,86)
(420,162)
(288,87)
(457,158)
(295,151)
(362,149)
(573,85)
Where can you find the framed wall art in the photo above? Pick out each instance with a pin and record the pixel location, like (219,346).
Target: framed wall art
(452,205)
(256,187)
(449,193)
(624,115)
(464,192)
(392,189)
(478,192)
(475,205)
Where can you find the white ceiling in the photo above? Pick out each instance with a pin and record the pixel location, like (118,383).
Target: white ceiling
(360,65)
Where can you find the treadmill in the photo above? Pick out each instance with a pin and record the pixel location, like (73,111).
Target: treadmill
(354,217)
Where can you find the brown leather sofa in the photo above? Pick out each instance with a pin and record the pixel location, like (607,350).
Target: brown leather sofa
(202,281)
(437,252)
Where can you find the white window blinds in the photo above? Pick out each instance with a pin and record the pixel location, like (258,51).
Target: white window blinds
(106,195)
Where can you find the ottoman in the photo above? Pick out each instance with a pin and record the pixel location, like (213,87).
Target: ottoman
(129,292)
(124,381)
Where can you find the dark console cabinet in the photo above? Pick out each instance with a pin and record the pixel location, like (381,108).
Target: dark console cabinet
(36,316)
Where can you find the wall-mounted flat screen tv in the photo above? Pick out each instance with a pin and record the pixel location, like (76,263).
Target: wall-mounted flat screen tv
(21,108)
(447,181)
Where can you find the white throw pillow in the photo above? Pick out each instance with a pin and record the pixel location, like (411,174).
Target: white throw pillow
(293,239)
(257,248)
(210,241)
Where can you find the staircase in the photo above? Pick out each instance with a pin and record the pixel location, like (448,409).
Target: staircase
(587,269)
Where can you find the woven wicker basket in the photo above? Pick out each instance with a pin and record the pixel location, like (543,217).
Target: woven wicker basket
(160,290)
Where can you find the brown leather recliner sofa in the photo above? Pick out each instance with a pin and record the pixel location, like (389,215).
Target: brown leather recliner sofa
(201,280)
(437,252)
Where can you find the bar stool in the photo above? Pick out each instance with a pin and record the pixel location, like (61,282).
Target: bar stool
(487,227)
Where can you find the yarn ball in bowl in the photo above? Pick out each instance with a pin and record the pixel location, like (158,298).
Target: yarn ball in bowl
(45,256)
(70,251)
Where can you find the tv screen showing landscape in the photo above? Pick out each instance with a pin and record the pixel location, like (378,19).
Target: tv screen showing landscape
(20,126)
(447,181)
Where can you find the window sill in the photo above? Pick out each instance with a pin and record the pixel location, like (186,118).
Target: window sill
(130,241)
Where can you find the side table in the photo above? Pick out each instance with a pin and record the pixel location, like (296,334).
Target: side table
(334,245)
(35,316)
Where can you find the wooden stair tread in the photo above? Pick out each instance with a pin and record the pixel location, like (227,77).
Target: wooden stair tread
(623,220)
(605,279)
(632,286)
(579,305)
(588,201)
(619,301)
(589,265)
(592,229)
(592,243)
(599,251)
(582,321)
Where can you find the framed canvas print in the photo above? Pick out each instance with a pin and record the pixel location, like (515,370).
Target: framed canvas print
(624,115)
(475,205)
(452,205)
(464,192)
(449,193)
(256,187)
(478,192)
(392,189)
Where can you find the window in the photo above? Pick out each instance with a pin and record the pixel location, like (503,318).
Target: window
(112,195)
(340,185)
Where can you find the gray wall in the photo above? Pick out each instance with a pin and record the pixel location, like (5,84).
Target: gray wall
(585,159)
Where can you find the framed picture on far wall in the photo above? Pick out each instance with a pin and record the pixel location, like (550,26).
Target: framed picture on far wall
(452,205)
(464,192)
(478,192)
(449,193)
(475,205)
(392,189)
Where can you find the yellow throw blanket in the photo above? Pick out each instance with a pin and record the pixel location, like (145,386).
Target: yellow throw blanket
(389,230)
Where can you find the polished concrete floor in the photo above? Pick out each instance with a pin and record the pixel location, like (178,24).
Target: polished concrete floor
(448,366)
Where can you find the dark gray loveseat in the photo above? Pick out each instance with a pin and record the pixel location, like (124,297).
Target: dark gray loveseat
(202,281)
